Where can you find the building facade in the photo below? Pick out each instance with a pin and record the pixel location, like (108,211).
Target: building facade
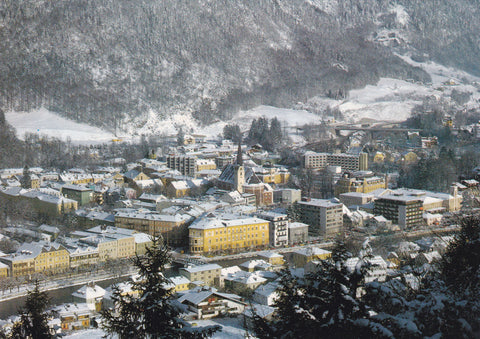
(211,233)
(360,182)
(184,164)
(324,216)
(348,162)
(404,210)
(278,230)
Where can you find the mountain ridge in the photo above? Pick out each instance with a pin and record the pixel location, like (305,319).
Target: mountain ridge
(111,63)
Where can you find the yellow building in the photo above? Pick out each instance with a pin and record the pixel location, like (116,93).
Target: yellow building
(272,175)
(302,256)
(19,264)
(272,258)
(3,270)
(52,258)
(206,273)
(83,256)
(37,257)
(410,157)
(211,234)
(379,157)
(142,242)
(360,182)
(178,189)
(107,246)
(125,245)
(205,164)
(181,283)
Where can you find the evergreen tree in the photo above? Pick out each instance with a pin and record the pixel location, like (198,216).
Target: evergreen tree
(153,314)
(2,117)
(324,305)
(26,180)
(180,137)
(460,265)
(447,302)
(33,322)
(232,132)
(275,134)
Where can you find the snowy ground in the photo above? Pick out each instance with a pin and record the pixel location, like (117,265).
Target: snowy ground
(232,328)
(87,334)
(388,100)
(48,123)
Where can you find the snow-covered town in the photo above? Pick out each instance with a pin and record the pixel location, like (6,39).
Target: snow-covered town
(239,169)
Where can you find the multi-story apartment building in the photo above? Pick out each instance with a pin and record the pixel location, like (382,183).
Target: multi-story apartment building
(297,232)
(81,194)
(186,165)
(20,263)
(404,210)
(37,257)
(173,228)
(223,161)
(348,162)
(82,255)
(278,230)
(211,233)
(3,270)
(52,258)
(325,217)
(360,182)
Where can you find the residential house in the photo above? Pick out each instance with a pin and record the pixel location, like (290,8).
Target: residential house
(207,304)
(90,294)
(266,294)
(180,283)
(301,256)
(74,316)
(242,281)
(272,258)
(209,273)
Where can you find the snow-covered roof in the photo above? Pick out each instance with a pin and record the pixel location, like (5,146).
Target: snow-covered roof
(201,268)
(312,251)
(270,254)
(89,291)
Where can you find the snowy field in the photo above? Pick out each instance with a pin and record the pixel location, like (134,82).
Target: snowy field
(389,100)
(290,117)
(232,328)
(48,123)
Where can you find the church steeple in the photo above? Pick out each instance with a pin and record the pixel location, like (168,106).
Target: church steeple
(239,174)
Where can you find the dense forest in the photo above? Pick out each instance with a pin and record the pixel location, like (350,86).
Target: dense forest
(105,61)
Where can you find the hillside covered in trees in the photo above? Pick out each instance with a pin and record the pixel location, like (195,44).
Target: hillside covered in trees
(106,62)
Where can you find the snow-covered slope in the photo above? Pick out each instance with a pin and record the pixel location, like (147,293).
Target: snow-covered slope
(388,100)
(47,123)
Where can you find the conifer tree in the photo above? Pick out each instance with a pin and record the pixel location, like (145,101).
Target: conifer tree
(26,181)
(153,314)
(180,137)
(323,305)
(33,322)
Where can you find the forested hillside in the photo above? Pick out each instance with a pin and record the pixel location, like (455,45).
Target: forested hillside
(107,61)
